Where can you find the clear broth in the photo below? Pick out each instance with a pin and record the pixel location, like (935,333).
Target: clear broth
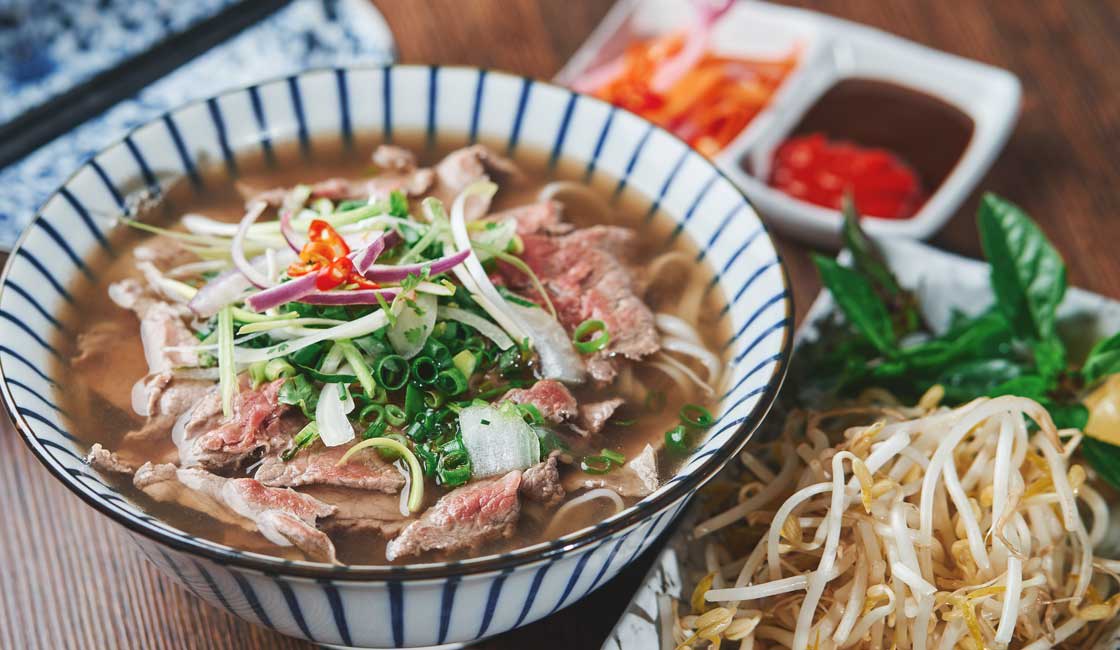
(97,395)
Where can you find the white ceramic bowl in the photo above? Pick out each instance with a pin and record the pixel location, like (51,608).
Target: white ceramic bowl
(422,604)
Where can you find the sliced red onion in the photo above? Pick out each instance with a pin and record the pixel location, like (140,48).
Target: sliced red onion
(382,273)
(355,297)
(237,248)
(365,258)
(282,293)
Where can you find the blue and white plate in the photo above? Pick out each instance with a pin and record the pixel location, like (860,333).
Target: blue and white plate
(306,33)
(422,604)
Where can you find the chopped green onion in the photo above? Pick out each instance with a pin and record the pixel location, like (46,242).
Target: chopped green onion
(697,416)
(439,352)
(424,370)
(328,377)
(586,329)
(376,410)
(277,368)
(677,440)
(227,370)
(416,474)
(451,382)
(613,456)
(301,440)
(629,422)
(596,464)
(256,373)
(358,364)
(395,415)
(392,372)
(531,413)
(375,430)
(434,399)
(465,361)
(454,468)
(413,401)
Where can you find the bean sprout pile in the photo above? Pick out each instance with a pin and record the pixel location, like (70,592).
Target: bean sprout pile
(906,527)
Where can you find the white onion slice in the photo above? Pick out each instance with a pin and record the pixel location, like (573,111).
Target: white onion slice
(330,414)
(484,327)
(498,440)
(413,326)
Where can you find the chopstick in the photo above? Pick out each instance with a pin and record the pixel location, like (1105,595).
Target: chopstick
(62,113)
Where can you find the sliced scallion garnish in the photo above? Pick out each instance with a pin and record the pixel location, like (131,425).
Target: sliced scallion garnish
(591,336)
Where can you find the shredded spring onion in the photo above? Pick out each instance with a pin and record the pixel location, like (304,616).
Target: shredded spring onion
(227,370)
(416,482)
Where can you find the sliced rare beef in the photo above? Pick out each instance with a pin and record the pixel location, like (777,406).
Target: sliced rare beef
(553,399)
(258,423)
(107,461)
(463,167)
(593,416)
(319,466)
(557,405)
(586,277)
(361,511)
(284,517)
(464,518)
(541,483)
(536,218)
(163,333)
(637,478)
(397,170)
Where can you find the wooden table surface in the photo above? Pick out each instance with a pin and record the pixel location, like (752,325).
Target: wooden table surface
(71,579)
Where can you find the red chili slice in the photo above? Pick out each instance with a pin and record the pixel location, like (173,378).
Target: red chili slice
(813,169)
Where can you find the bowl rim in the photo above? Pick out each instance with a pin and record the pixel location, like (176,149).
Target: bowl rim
(519,557)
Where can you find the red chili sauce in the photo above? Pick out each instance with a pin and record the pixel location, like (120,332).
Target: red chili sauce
(890,146)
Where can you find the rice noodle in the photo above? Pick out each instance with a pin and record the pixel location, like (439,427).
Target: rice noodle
(931,528)
(586,497)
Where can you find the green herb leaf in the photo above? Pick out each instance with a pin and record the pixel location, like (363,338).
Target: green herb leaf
(298,391)
(1103,359)
(398,204)
(1104,458)
(970,379)
(901,304)
(1028,275)
(1049,357)
(856,298)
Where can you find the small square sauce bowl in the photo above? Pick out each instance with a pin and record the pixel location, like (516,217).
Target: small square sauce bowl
(944,117)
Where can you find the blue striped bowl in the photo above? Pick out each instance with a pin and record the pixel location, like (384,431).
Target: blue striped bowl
(422,604)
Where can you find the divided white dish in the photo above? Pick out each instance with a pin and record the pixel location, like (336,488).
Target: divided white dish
(944,282)
(831,50)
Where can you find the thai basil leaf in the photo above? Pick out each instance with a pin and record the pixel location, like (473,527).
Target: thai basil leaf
(298,391)
(1103,359)
(902,305)
(1104,458)
(857,300)
(1068,416)
(1032,386)
(1049,357)
(1028,275)
(975,377)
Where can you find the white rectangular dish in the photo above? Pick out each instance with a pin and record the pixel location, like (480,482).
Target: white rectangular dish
(830,50)
(943,282)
